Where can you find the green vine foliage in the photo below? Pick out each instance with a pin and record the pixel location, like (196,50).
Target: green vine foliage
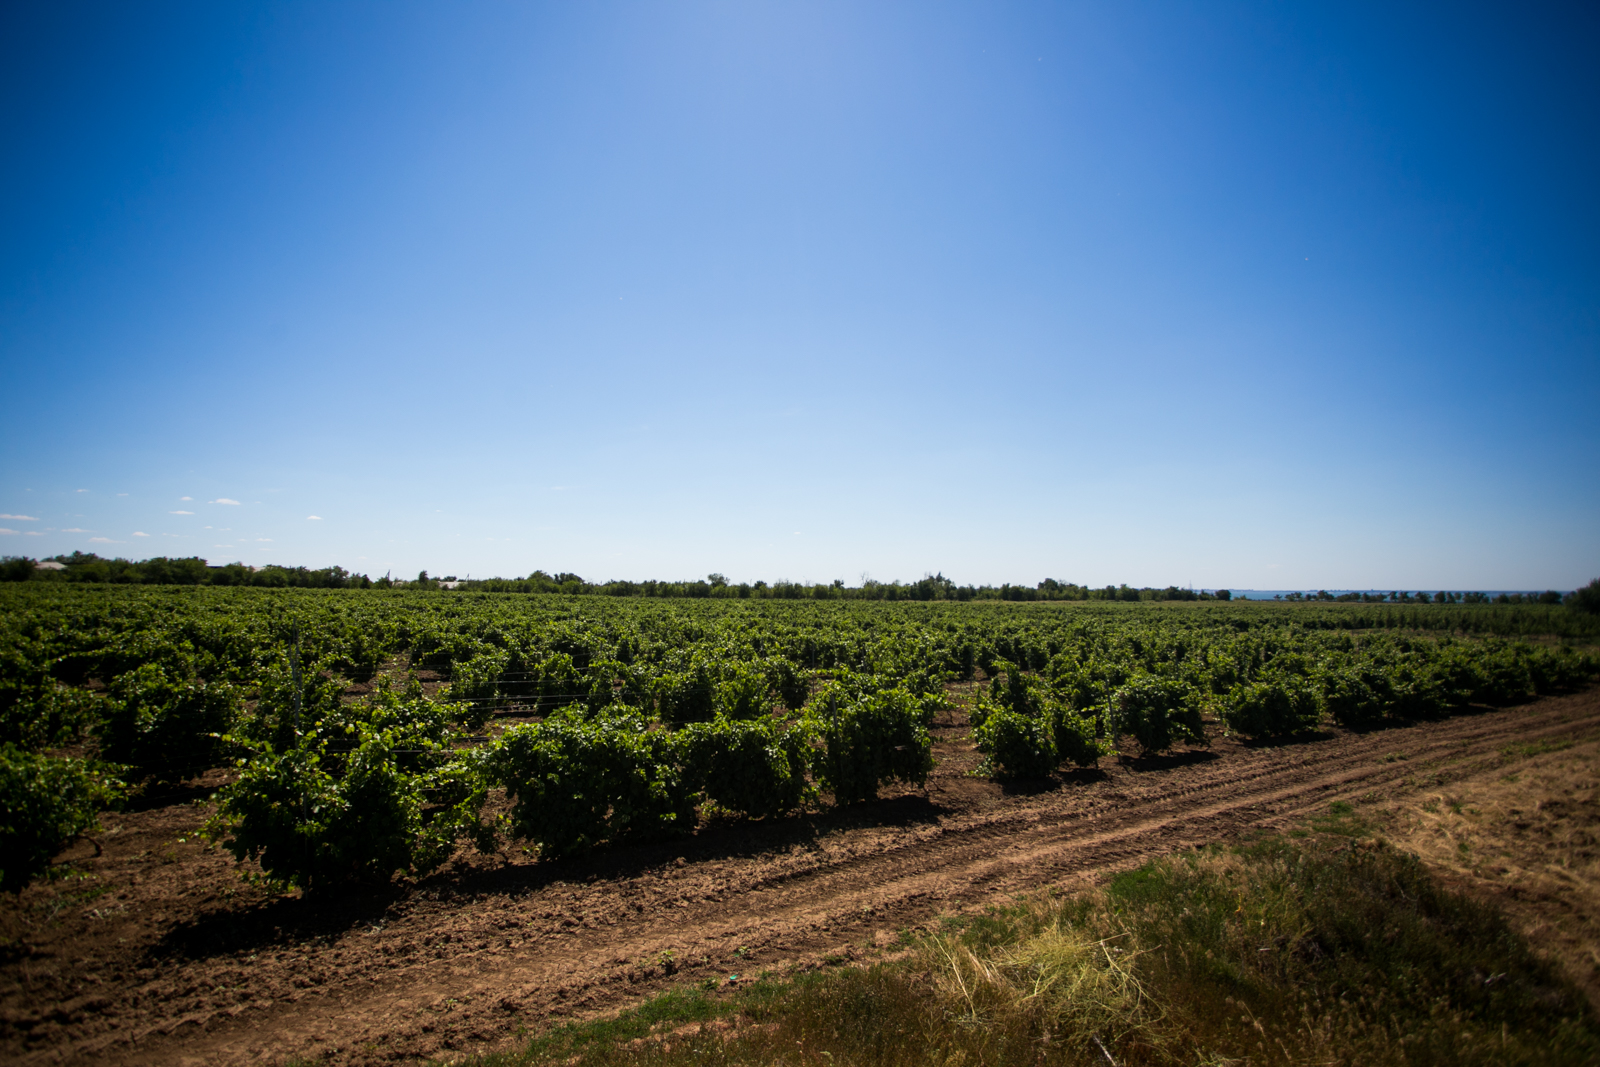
(476,681)
(40,712)
(272,722)
(577,782)
(868,741)
(1076,736)
(558,681)
(1157,713)
(1017,745)
(1358,696)
(791,681)
(750,767)
(685,696)
(153,673)
(166,726)
(1022,722)
(744,694)
(1274,707)
(45,802)
(370,790)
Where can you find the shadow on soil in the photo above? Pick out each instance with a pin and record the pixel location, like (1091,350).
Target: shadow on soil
(1027,787)
(1170,761)
(327,915)
(1308,737)
(168,794)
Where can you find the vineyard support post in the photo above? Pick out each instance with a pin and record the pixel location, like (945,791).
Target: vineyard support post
(295,668)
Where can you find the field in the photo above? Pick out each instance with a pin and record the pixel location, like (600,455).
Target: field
(1144,729)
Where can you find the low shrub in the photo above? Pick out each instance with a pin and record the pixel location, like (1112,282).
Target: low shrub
(1022,693)
(1076,736)
(1018,741)
(1357,696)
(1274,707)
(40,713)
(868,741)
(476,681)
(756,768)
(273,722)
(165,726)
(1502,677)
(1157,713)
(792,682)
(1017,745)
(44,803)
(374,789)
(557,681)
(1420,691)
(686,696)
(743,694)
(1558,670)
(577,783)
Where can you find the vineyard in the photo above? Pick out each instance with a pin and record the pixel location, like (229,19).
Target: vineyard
(375,733)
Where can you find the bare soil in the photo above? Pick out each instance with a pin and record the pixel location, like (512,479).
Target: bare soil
(161,955)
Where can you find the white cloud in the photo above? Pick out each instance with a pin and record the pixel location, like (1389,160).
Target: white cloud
(3,530)
(34,533)
(223,500)
(263,539)
(20,518)
(103,541)
(122,494)
(74,529)
(313,518)
(83,490)
(186,498)
(180,513)
(140,533)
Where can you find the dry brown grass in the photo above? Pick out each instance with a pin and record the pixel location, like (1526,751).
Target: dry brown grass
(1527,835)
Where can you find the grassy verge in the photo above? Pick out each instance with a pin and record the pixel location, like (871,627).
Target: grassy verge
(1326,946)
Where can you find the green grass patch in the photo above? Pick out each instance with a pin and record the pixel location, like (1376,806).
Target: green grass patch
(1525,749)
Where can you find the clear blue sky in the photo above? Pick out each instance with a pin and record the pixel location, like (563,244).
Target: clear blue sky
(1248,295)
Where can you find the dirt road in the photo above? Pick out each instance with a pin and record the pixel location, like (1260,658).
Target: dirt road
(174,962)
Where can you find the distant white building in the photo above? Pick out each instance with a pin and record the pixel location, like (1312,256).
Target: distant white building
(49,565)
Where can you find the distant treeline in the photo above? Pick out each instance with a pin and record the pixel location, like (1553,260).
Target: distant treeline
(1549,596)
(932,587)
(192,570)
(88,567)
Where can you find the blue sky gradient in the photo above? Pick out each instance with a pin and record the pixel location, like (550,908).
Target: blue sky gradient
(1246,295)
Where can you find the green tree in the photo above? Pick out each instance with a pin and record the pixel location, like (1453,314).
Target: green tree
(1587,599)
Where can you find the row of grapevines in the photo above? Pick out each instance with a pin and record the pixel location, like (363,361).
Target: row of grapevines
(161,683)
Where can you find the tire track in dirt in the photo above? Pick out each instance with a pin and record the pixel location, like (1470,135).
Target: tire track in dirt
(519,944)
